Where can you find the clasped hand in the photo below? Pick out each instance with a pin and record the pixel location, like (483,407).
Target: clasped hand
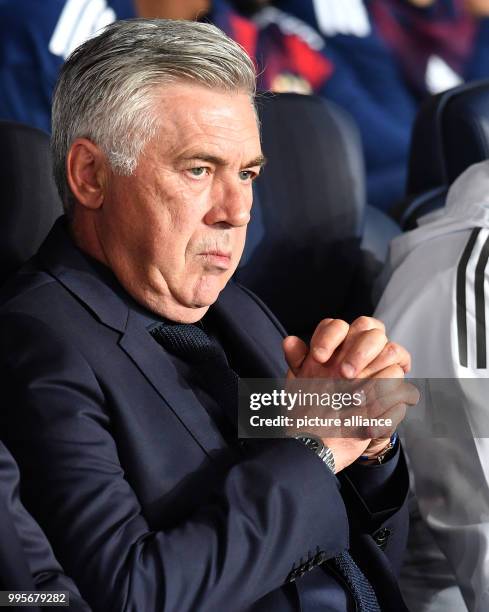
(357,351)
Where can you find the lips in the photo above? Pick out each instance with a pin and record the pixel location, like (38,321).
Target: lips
(225,254)
(220,259)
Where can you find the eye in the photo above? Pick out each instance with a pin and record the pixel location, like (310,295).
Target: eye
(245,175)
(198,171)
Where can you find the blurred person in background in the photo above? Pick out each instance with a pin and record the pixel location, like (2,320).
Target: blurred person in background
(36,37)
(384,57)
(435,42)
(362,77)
(478,67)
(288,53)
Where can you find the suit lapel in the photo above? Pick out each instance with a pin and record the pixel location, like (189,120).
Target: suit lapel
(252,343)
(160,371)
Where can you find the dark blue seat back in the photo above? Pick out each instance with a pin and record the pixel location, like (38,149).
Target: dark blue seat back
(29,200)
(303,255)
(450,134)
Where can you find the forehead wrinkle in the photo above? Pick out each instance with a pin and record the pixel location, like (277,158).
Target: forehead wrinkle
(211,142)
(215,128)
(177,110)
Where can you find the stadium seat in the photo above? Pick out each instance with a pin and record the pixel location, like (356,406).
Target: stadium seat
(450,134)
(304,254)
(29,201)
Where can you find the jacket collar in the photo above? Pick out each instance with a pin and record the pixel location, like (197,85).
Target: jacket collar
(83,277)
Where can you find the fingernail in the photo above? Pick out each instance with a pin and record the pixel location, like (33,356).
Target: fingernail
(348,370)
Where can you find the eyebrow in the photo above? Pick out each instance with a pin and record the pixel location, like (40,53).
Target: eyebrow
(219,161)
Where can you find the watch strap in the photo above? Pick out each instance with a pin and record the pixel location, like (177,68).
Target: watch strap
(317,446)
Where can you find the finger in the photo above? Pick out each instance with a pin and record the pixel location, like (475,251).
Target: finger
(394,415)
(362,324)
(392,354)
(360,351)
(327,337)
(295,351)
(359,325)
(388,393)
(393,372)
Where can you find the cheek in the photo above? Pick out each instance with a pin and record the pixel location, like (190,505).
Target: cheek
(239,243)
(177,235)
(180,208)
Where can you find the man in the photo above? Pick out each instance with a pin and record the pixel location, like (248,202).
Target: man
(27,562)
(36,37)
(122,340)
(437,292)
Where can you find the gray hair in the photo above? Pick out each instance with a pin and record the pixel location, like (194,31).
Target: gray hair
(105,91)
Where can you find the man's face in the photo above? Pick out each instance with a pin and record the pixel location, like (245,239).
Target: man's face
(174,231)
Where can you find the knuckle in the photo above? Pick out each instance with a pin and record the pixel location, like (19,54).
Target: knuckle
(325,322)
(321,328)
(377,336)
(392,349)
(362,323)
(339,324)
(379,324)
(365,323)
(329,329)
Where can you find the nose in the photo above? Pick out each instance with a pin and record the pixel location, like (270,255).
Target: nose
(231,203)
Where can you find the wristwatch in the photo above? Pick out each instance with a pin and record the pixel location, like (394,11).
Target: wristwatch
(319,448)
(384,454)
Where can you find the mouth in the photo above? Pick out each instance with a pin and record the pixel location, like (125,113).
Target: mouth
(219,259)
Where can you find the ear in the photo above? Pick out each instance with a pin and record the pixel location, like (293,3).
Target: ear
(87,173)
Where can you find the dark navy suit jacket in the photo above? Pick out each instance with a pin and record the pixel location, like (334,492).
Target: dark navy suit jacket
(145,504)
(27,561)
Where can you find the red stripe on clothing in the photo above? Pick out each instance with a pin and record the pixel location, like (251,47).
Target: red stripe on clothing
(310,64)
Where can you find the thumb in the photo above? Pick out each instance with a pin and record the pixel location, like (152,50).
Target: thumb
(295,351)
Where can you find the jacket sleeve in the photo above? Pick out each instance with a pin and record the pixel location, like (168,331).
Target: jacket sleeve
(274,508)
(46,572)
(376,499)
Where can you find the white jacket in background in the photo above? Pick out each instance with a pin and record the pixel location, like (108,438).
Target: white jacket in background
(436,303)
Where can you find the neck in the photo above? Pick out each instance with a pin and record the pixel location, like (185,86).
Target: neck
(86,239)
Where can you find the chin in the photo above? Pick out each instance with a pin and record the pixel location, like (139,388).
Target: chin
(206,300)
(207,291)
